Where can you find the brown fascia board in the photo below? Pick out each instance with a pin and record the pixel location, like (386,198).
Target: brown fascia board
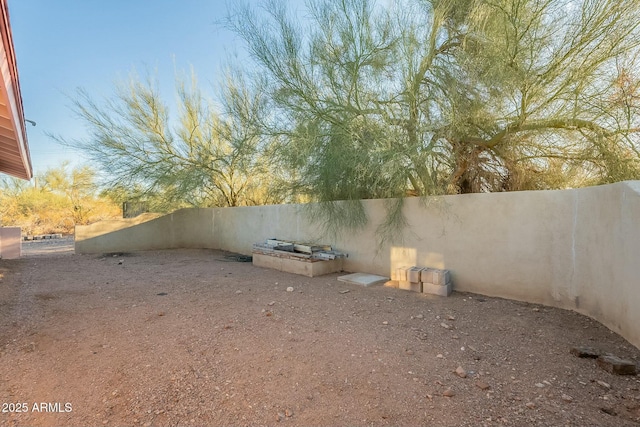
(19,123)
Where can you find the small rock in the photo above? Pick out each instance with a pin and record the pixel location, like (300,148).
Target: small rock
(448,393)
(603,384)
(461,372)
(482,385)
(609,411)
(444,325)
(272,303)
(440,356)
(279,416)
(567,398)
(455,337)
(451,318)
(419,316)
(536,309)
(530,405)
(615,365)
(288,413)
(385,323)
(410,352)
(345,291)
(290,289)
(238,292)
(585,352)
(539,385)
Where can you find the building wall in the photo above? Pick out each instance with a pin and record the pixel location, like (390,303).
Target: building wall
(574,249)
(10,242)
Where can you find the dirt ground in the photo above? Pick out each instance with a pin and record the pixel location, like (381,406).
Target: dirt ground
(193,337)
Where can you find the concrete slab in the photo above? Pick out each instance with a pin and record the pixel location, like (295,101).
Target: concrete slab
(363,279)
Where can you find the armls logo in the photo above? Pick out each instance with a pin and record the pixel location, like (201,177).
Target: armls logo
(52,407)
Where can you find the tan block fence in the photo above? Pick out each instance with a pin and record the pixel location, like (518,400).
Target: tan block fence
(576,249)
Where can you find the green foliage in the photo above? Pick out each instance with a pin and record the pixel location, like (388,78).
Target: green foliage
(447,96)
(350,100)
(211,157)
(60,200)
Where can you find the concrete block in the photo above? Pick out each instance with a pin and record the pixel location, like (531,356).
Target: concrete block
(10,242)
(401,273)
(410,286)
(434,289)
(441,277)
(436,276)
(413,274)
(426,275)
(304,267)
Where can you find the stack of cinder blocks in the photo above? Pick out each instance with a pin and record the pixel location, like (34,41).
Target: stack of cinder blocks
(425,280)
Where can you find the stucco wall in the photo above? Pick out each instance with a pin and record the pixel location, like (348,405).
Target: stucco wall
(10,242)
(185,228)
(575,249)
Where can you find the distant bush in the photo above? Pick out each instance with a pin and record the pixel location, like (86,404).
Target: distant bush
(57,202)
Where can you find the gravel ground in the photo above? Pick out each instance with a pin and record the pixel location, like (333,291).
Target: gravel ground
(63,246)
(189,337)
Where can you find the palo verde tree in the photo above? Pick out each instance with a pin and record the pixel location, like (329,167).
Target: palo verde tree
(448,96)
(541,95)
(210,155)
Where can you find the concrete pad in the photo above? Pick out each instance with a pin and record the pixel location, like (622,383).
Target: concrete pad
(363,279)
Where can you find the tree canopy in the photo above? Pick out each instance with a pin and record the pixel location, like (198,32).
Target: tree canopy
(449,96)
(59,199)
(210,155)
(352,99)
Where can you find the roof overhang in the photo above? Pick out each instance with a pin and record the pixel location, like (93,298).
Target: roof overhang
(15,159)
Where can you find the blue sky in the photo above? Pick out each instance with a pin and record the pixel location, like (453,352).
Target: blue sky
(65,44)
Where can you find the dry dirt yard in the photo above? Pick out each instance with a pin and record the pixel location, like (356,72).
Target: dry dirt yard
(192,337)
